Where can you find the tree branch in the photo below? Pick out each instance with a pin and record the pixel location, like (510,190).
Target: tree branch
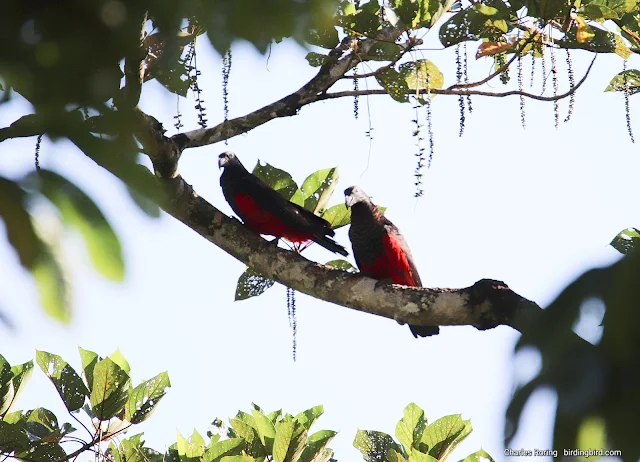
(484,305)
(341,60)
(436,91)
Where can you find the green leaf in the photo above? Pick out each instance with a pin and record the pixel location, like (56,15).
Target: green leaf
(421,74)
(190,450)
(594,39)
(144,398)
(383,51)
(251,284)
(479,456)
(282,440)
(394,456)
(316,190)
(338,216)
(395,85)
(19,227)
(344,265)
(70,386)
(308,417)
(12,435)
(374,445)
(632,77)
(598,12)
(118,358)
(220,449)
(278,179)
(21,375)
(316,59)
(42,425)
(626,241)
(443,435)
(110,389)
(7,390)
(149,207)
(79,211)
(316,445)
(48,452)
(89,360)
(417,456)
(239,458)
(410,428)
(266,429)
(53,285)
(473,24)
(132,450)
(326,37)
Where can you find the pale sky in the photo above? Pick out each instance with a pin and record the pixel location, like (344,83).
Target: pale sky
(533,208)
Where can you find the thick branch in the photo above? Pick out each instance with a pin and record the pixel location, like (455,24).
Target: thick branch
(484,305)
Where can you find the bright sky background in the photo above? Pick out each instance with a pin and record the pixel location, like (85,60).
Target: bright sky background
(533,208)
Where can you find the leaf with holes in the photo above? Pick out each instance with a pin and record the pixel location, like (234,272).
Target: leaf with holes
(70,386)
(278,179)
(308,417)
(316,59)
(627,241)
(316,190)
(344,265)
(144,398)
(374,445)
(421,74)
(443,435)
(410,428)
(315,450)
(326,37)
(632,77)
(219,449)
(110,390)
(251,284)
(48,452)
(338,216)
(395,85)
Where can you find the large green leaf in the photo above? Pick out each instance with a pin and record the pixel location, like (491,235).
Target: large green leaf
(344,265)
(79,211)
(443,435)
(21,375)
(325,37)
(316,446)
(70,386)
(220,449)
(420,13)
(316,190)
(89,360)
(190,450)
(594,39)
(42,425)
(251,284)
(308,417)
(475,23)
(338,216)
(410,428)
(632,77)
(278,179)
(53,284)
(110,390)
(7,391)
(13,436)
(374,445)
(265,428)
(18,224)
(282,440)
(144,398)
(47,452)
(421,74)
(132,450)
(627,240)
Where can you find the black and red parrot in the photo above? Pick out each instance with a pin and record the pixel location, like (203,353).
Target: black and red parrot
(265,211)
(380,249)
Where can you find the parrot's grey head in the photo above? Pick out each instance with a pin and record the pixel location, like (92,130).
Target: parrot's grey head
(353,195)
(227,158)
